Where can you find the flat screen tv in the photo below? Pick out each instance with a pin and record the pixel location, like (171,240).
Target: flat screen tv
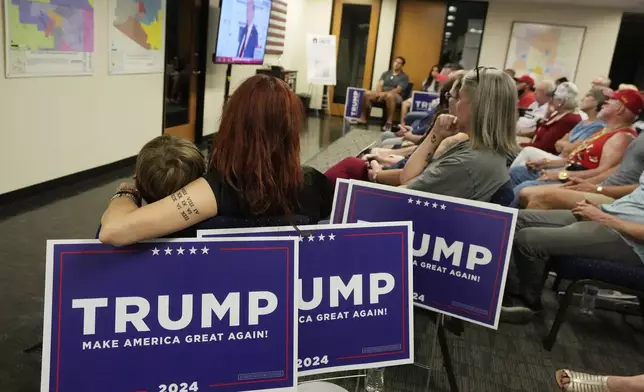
(243,26)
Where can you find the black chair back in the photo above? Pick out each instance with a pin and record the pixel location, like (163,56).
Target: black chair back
(504,195)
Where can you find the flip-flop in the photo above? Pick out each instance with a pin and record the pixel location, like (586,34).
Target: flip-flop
(366,150)
(581,382)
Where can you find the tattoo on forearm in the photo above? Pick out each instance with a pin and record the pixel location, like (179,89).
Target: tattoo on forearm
(184,203)
(432,138)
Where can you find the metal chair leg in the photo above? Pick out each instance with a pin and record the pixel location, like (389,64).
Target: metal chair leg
(550,340)
(447,359)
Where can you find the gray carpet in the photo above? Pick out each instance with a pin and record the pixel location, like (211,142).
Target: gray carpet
(510,359)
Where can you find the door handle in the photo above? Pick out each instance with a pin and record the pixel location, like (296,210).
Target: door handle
(196,72)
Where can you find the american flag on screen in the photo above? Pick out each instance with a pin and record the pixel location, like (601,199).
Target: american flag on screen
(277,28)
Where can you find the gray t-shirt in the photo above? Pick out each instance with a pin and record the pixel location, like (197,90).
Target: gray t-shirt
(632,165)
(630,208)
(391,81)
(465,173)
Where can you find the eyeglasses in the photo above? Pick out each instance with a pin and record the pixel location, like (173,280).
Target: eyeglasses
(477,69)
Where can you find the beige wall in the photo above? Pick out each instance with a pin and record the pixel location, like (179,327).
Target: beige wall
(56,126)
(385,40)
(602,27)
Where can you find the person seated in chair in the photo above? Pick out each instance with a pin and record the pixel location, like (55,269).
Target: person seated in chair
(561,119)
(527,123)
(524,87)
(421,121)
(390,88)
(612,232)
(601,152)
(528,164)
(473,169)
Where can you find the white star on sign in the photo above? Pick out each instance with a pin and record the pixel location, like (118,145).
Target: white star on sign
(321,237)
(193,250)
(311,238)
(418,202)
(434,205)
(301,239)
(180,251)
(204,250)
(426,204)
(155,252)
(410,200)
(167,251)
(443,206)
(331,237)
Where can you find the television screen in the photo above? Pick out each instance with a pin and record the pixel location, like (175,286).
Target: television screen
(243,26)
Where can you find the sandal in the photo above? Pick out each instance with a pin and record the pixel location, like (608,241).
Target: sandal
(581,382)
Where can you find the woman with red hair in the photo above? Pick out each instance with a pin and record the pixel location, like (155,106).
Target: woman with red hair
(254,171)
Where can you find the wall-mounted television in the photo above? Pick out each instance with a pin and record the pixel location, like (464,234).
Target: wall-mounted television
(243,26)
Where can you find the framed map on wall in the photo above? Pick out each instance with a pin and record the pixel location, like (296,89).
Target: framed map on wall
(545,51)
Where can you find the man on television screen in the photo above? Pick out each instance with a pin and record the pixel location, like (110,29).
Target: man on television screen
(248,34)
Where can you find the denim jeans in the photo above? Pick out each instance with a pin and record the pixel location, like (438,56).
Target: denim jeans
(522,177)
(521,174)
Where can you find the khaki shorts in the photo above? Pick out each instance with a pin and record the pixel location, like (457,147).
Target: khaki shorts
(598,198)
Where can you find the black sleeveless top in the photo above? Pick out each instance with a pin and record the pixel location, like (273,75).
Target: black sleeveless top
(314,201)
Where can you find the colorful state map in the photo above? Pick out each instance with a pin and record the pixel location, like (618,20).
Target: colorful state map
(51,25)
(141,21)
(544,51)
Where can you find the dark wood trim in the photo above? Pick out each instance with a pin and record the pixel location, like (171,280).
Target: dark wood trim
(274,51)
(37,195)
(202,49)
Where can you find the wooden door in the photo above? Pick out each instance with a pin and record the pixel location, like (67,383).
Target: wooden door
(183,60)
(355,26)
(418,37)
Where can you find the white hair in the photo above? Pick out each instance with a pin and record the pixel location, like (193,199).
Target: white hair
(568,93)
(548,85)
(494,112)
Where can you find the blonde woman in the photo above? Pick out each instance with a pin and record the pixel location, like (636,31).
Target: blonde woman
(486,111)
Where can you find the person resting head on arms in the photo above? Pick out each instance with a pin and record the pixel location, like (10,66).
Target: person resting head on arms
(254,171)
(598,154)
(166,164)
(561,119)
(527,166)
(474,169)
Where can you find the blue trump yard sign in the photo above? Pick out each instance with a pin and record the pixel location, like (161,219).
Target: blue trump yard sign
(353,103)
(421,101)
(178,315)
(339,198)
(355,305)
(461,247)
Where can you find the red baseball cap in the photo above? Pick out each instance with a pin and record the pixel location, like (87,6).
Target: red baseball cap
(526,79)
(631,99)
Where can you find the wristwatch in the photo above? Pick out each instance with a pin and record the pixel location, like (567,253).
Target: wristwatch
(599,189)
